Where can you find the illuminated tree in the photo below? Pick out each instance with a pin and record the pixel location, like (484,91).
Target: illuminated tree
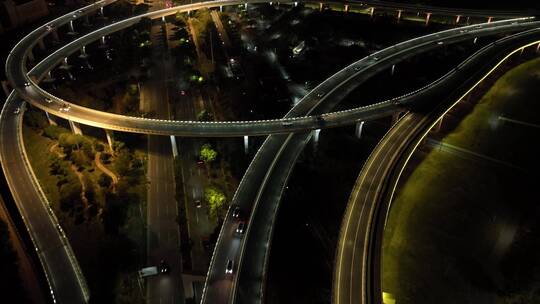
(207,154)
(216,200)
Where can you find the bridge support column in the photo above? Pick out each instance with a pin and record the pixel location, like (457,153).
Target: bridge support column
(371,12)
(102,11)
(346,8)
(468,18)
(316,135)
(428,16)
(359,128)
(393,70)
(245,6)
(475,39)
(320,6)
(246,144)
(110,138)
(51,118)
(75,127)
(490,19)
(398,15)
(521,51)
(71,26)
(221,8)
(458,18)
(538,47)
(174,146)
(83,52)
(5,87)
(41,44)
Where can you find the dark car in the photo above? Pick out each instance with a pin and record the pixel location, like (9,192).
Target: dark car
(236,212)
(240,227)
(163,267)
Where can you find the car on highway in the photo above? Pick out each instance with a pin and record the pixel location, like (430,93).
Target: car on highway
(27,84)
(240,227)
(229,267)
(163,267)
(286,123)
(17,111)
(48,100)
(320,94)
(198,203)
(236,212)
(65,108)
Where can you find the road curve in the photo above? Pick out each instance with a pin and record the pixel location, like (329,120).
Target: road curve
(357,276)
(16,73)
(68,288)
(259,192)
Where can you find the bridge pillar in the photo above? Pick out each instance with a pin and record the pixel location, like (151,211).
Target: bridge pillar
(398,15)
(102,11)
(5,87)
(320,6)
(71,26)
(475,39)
(371,11)
(428,16)
(393,70)
(468,18)
(245,6)
(538,47)
(358,130)
(110,138)
(103,42)
(489,19)
(346,8)
(41,44)
(316,135)
(83,52)
(221,7)
(51,119)
(458,17)
(75,127)
(246,144)
(174,146)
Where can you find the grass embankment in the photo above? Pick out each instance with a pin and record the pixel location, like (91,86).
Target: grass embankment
(104,220)
(462,228)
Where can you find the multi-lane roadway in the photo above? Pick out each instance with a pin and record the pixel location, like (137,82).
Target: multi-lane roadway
(285,147)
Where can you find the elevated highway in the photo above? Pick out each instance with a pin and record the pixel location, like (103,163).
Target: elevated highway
(70,287)
(357,273)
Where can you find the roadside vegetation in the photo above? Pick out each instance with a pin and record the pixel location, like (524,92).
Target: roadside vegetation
(99,197)
(463,226)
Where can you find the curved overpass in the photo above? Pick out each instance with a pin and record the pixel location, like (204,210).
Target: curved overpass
(357,273)
(259,192)
(70,287)
(16,73)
